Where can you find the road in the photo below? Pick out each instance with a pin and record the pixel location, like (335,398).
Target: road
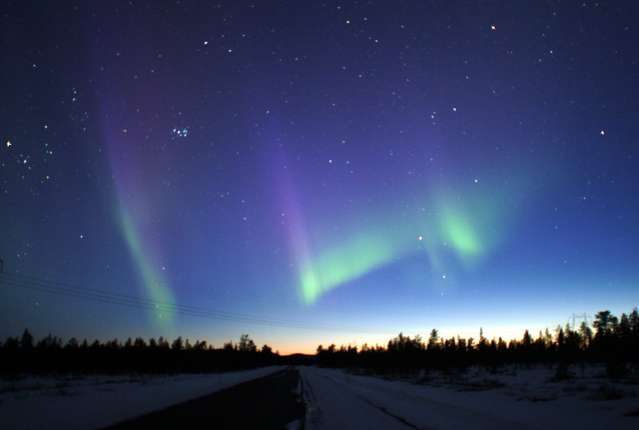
(273,402)
(270,402)
(333,405)
(310,398)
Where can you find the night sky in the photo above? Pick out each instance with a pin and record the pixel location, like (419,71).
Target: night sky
(314,173)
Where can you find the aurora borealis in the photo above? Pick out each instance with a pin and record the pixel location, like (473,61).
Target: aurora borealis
(375,167)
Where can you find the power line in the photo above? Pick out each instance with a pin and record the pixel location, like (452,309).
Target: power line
(128,279)
(68,290)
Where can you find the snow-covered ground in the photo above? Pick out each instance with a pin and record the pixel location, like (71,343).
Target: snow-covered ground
(513,399)
(93,402)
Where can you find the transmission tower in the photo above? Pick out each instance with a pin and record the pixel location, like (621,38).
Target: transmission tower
(583,317)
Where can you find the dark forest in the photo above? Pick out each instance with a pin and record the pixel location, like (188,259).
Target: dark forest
(612,341)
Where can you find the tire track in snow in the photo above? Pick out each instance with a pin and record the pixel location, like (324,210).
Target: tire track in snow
(398,418)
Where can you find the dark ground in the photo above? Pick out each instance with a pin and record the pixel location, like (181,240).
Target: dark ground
(264,403)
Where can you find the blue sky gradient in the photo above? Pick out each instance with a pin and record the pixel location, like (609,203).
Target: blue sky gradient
(374,166)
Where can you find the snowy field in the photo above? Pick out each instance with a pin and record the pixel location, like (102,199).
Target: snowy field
(93,402)
(512,399)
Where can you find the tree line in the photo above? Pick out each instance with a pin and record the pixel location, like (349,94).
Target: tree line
(613,342)
(23,355)
(609,340)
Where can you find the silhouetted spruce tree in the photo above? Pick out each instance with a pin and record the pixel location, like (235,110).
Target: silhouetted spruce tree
(511,352)
(585,334)
(482,350)
(12,343)
(163,343)
(178,344)
(139,343)
(526,354)
(572,345)
(246,344)
(463,356)
(494,361)
(447,355)
(540,349)
(433,340)
(624,338)
(559,347)
(634,327)
(26,341)
(502,350)
(72,344)
(433,350)
(606,343)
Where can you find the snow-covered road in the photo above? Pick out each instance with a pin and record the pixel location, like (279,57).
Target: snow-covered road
(338,400)
(332,405)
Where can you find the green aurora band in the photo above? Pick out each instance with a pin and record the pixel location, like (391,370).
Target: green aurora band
(471,225)
(155,283)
